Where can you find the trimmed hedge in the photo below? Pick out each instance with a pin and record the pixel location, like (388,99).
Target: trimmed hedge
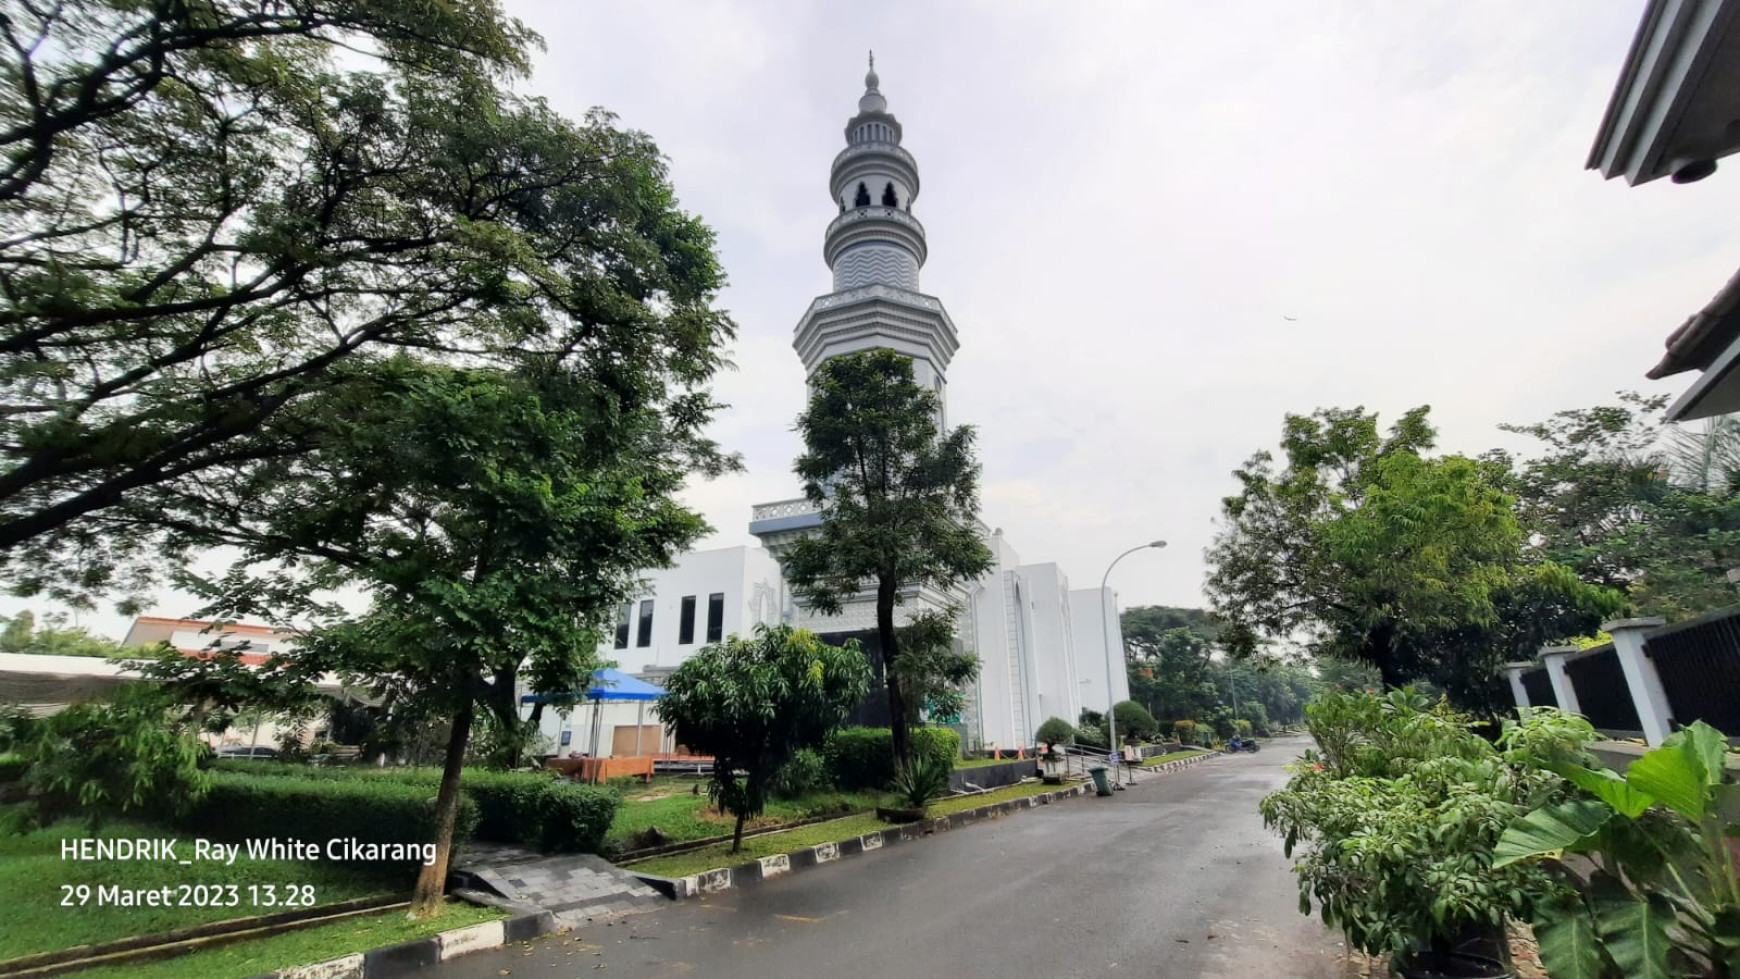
(552,813)
(511,807)
(863,757)
(242,807)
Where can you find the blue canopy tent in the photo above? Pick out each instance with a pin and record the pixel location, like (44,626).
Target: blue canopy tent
(608,685)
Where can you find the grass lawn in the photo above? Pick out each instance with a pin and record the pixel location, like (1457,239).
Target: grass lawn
(305,947)
(682,814)
(1172,756)
(832,831)
(32,872)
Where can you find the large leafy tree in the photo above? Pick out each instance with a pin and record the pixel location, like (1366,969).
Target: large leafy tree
(498,502)
(753,703)
(899,501)
(495,518)
(1627,501)
(1364,547)
(208,221)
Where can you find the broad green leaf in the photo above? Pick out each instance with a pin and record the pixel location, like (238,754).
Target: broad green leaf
(1674,774)
(1550,830)
(1709,746)
(1635,930)
(1570,946)
(1608,786)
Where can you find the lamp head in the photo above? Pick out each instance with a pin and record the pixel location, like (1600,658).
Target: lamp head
(1158,543)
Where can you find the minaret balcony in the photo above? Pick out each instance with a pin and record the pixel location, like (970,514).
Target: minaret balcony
(861,224)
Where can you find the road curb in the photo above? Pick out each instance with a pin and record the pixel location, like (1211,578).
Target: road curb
(810,857)
(408,958)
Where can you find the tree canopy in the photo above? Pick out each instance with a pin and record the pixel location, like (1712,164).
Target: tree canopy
(754,703)
(215,228)
(1627,501)
(899,501)
(1364,547)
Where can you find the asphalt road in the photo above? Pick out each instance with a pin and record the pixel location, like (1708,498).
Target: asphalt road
(1175,877)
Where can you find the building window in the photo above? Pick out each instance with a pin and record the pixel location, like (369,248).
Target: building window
(622,627)
(686,625)
(716,616)
(888,198)
(643,637)
(863,198)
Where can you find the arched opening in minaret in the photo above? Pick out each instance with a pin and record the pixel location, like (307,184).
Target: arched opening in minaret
(863,198)
(888,196)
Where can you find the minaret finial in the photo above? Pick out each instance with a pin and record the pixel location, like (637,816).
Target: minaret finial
(872,59)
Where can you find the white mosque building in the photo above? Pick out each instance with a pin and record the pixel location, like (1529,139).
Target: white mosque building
(1041,645)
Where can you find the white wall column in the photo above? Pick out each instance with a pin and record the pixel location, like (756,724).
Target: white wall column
(1515,671)
(1647,693)
(1553,657)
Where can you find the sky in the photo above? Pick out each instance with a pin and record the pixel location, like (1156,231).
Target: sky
(1161,227)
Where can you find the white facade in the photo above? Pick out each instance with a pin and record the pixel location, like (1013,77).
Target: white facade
(1039,643)
(1095,614)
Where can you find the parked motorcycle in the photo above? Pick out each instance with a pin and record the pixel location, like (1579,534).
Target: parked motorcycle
(1236,744)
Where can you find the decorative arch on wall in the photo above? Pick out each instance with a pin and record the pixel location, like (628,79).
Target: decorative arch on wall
(863,198)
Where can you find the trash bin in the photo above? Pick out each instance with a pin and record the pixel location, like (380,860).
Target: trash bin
(1102,785)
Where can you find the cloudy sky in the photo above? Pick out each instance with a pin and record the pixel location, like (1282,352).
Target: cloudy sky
(1125,200)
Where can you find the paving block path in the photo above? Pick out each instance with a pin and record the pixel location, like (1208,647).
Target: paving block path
(575,886)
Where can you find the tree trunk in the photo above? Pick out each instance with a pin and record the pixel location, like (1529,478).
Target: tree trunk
(885,592)
(737,835)
(432,880)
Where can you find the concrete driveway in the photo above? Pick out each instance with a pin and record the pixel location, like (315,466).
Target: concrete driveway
(1175,877)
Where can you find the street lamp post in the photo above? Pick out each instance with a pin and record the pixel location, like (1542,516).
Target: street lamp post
(1106,630)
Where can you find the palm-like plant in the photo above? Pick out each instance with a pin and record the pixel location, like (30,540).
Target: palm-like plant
(1705,459)
(920,782)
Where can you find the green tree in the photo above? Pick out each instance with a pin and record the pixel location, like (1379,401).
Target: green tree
(100,758)
(1055,730)
(1134,721)
(17,635)
(931,670)
(497,519)
(1145,625)
(1369,549)
(212,209)
(899,501)
(754,703)
(1627,501)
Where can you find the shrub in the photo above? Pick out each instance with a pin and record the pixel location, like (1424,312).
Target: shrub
(1134,721)
(863,757)
(1397,820)
(101,758)
(511,807)
(920,782)
(1090,737)
(13,767)
(241,807)
(1164,729)
(548,812)
(1185,730)
(804,772)
(1055,730)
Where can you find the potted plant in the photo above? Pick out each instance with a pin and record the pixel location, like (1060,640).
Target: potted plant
(1659,892)
(916,785)
(1396,821)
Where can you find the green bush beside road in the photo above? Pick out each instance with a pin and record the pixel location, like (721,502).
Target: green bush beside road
(863,757)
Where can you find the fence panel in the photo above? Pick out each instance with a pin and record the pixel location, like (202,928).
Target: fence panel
(1603,694)
(1539,686)
(1699,666)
